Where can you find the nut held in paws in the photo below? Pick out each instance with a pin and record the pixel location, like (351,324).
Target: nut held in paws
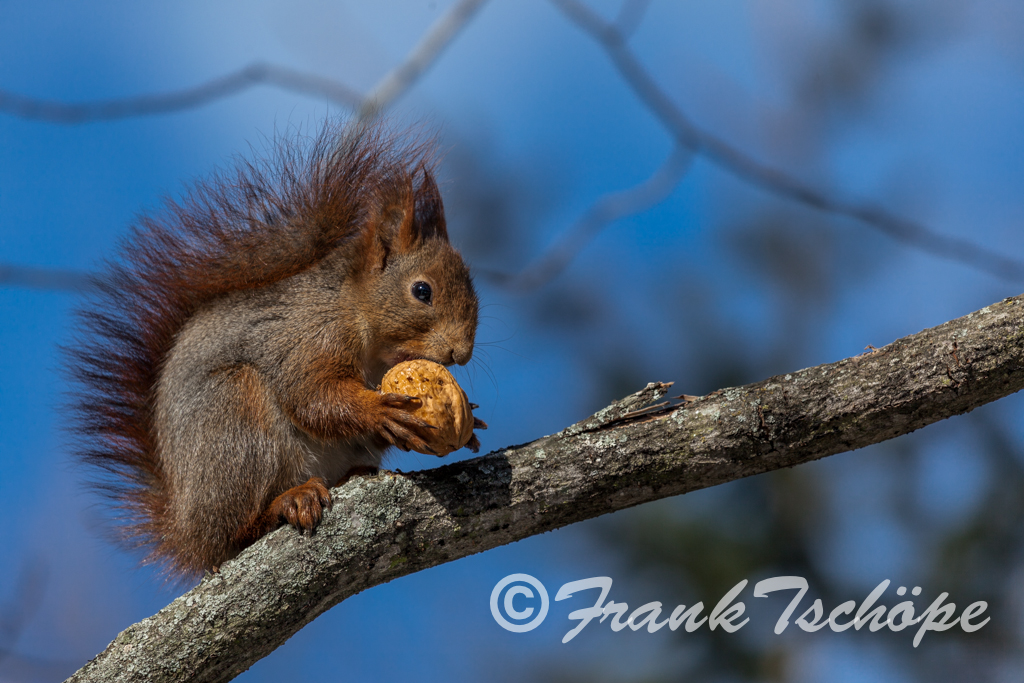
(444,403)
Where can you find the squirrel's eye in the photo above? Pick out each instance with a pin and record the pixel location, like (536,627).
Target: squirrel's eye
(422,291)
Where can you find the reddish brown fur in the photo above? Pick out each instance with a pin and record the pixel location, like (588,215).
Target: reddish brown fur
(232,233)
(301,506)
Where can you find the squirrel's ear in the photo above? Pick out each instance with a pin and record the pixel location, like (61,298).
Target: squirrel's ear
(424,217)
(387,228)
(376,244)
(414,216)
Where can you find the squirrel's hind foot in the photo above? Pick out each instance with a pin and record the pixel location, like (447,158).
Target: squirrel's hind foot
(302,506)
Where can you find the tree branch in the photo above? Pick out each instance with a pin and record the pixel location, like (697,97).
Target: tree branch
(388,526)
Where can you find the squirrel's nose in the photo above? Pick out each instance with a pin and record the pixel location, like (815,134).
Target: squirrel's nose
(462,354)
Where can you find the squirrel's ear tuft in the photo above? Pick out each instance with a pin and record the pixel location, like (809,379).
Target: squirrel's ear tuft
(430,209)
(411,216)
(409,236)
(424,217)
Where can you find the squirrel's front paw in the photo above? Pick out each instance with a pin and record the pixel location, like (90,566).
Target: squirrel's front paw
(400,427)
(302,506)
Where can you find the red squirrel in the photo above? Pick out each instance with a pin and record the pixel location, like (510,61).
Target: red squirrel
(228,368)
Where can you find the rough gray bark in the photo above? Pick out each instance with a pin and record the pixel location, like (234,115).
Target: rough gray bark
(391,525)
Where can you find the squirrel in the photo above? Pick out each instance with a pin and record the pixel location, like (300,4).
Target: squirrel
(228,368)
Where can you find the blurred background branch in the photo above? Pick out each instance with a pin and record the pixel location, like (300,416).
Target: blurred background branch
(689,135)
(16,612)
(426,52)
(164,103)
(613,37)
(607,209)
(390,88)
(45,278)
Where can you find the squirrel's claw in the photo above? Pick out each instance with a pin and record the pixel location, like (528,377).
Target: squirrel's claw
(404,438)
(403,401)
(399,427)
(302,506)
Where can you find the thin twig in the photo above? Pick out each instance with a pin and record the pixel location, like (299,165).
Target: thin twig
(770,179)
(631,13)
(189,98)
(605,210)
(426,52)
(45,278)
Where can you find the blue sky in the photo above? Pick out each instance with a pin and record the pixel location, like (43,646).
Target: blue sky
(938,138)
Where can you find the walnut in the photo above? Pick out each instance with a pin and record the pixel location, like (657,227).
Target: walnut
(444,403)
